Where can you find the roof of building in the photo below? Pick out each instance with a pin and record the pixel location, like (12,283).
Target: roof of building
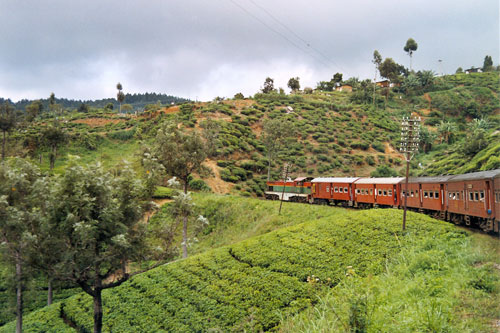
(392,180)
(476,175)
(301,179)
(334,180)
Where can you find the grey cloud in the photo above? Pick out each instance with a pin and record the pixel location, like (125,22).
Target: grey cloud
(79,49)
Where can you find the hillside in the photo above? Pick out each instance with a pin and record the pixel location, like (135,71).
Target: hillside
(252,284)
(337,133)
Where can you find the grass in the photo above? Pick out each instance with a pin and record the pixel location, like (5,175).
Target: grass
(436,286)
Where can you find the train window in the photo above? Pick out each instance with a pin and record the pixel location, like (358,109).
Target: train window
(336,190)
(471,196)
(328,189)
(436,195)
(345,190)
(357,191)
(450,195)
(371,191)
(379,192)
(481,195)
(389,192)
(431,195)
(385,192)
(412,194)
(476,196)
(425,194)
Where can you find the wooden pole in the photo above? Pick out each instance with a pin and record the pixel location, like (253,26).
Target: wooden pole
(283,192)
(406,190)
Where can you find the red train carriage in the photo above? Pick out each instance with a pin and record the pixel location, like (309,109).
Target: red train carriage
(297,190)
(470,199)
(335,190)
(377,191)
(427,194)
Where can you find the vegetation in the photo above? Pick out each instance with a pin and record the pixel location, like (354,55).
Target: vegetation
(214,286)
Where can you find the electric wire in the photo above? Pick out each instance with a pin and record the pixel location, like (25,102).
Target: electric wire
(279,33)
(308,44)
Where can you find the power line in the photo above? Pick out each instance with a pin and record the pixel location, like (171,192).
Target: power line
(295,34)
(278,33)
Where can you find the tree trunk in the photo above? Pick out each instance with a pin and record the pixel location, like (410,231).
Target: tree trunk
(98,310)
(49,292)
(19,292)
(53,157)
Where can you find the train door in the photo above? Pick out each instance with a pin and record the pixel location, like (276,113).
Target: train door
(421,193)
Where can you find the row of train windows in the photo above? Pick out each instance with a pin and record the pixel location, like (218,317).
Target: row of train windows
(431,194)
(339,190)
(476,196)
(363,191)
(412,194)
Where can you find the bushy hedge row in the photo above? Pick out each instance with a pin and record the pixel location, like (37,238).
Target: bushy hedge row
(248,286)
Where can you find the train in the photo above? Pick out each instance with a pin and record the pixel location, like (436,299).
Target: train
(472,199)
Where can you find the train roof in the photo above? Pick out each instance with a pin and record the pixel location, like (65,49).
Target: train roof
(424,180)
(476,175)
(334,180)
(391,180)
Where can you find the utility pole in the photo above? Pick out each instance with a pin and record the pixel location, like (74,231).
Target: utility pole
(286,168)
(410,139)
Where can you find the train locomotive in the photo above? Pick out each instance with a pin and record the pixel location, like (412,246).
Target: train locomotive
(472,199)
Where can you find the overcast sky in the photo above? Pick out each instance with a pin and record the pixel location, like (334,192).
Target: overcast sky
(201,49)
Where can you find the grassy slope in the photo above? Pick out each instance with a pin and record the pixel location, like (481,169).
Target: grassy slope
(235,285)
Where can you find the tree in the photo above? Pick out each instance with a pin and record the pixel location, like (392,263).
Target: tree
(34,109)
(239,96)
(7,122)
(487,64)
(268,86)
(409,48)
(377,60)
(446,131)
(96,219)
(22,193)
(120,96)
(180,154)
(52,101)
(459,70)
(54,136)
(390,69)
(275,133)
(294,84)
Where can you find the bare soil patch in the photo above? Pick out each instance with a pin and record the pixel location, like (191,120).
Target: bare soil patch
(216,183)
(97,122)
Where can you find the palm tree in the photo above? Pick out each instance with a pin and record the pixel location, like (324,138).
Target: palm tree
(446,130)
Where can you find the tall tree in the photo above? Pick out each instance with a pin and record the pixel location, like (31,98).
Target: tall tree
(54,136)
(410,47)
(487,64)
(120,96)
(181,154)
(268,86)
(22,193)
(377,60)
(390,69)
(96,219)
(7,122)
(294,84)
(275,133)
(33,110)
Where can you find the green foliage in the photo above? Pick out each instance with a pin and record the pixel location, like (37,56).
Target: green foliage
(241,286)
(122,135)
(418,292)
(384,171)
(199,185)
(163,192)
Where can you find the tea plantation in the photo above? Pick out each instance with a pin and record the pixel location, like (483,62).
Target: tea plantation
(250,285)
